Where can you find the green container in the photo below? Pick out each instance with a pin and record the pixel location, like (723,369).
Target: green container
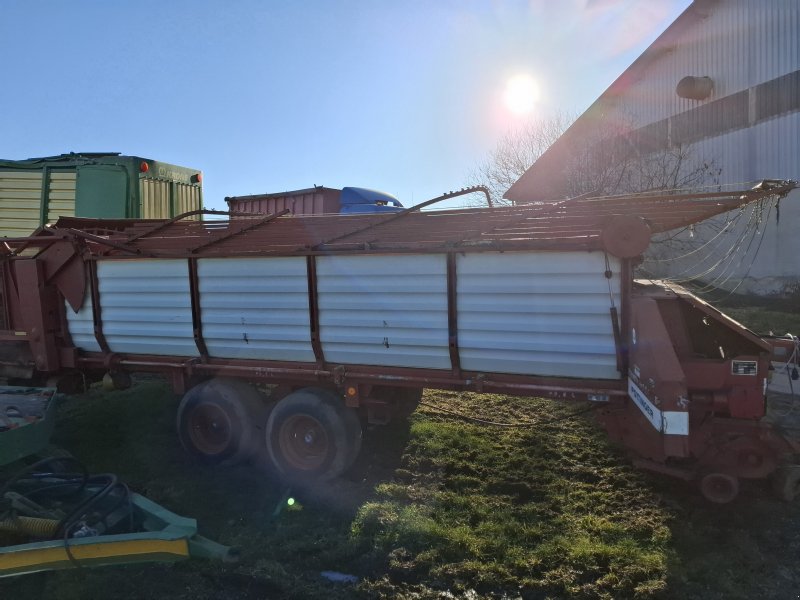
(27,418)
(37,191)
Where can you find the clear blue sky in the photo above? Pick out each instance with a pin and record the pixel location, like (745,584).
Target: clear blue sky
(403,96)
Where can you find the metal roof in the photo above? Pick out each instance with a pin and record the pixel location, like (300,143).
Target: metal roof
(570,224)
(59,159)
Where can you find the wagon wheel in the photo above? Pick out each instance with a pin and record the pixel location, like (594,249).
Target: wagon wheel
(312,436)
(221,421)
(754,460)
(744,457)
(719,488)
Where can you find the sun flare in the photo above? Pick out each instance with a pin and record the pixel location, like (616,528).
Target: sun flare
(521,94)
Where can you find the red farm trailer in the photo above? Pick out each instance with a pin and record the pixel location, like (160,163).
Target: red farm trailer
(352,316)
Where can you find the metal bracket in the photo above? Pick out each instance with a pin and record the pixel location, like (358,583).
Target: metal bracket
(339,374)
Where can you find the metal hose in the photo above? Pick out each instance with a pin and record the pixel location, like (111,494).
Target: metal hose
(43,528)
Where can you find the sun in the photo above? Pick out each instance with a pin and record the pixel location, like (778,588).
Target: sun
(521,95)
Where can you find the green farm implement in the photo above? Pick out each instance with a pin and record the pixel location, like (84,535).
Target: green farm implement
(55,515)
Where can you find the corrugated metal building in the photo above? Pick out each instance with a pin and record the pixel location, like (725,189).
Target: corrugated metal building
(744,58)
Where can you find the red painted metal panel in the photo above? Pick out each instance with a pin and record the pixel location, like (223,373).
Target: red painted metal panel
(39,319)
(656,370)
(313,201)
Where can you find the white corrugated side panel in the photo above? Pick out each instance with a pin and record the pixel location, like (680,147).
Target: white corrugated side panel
(537,313)
(384,310)
(255,308)
(81,324)
(146,306)
(741,43)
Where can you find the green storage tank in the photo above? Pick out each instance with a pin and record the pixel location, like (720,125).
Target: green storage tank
(37,191)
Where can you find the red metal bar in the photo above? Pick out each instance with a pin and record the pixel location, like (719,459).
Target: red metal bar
(313,310)
(241,230)
(384,248)
(626,285)
(399,215)
(35,309)
(452,314)
(307,372)
(97,319)
(164,224)
(197,321)
(13,336)
(100,240)
(5,315)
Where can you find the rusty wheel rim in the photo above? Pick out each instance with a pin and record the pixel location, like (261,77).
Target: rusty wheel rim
(719,488)
(303,442)
(210,429)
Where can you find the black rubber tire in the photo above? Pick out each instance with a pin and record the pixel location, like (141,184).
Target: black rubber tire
(312,436)
(221,421)
(719,488)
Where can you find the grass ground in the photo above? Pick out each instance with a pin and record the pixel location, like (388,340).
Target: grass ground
(436,508)
(764,314)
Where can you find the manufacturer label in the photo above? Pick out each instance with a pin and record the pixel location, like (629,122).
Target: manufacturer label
(167,173)
(668,422)
(744,367)
(597,397)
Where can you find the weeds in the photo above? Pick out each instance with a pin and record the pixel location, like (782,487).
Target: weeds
(536,511)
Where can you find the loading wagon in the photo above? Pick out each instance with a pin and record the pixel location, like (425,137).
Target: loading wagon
(350,317)
(37,191)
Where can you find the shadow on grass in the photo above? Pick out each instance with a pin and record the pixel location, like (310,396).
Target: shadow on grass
(283,548)
(742,550)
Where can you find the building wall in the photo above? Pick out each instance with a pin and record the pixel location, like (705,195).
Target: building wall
(741,45)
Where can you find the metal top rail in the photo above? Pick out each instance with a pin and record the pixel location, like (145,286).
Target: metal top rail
(575,223)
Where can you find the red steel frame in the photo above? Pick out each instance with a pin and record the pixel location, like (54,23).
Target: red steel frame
(69,259)
(62,262)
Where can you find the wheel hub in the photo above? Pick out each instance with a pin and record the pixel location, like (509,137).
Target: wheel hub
(303,442)
(210,428)
(719,488)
